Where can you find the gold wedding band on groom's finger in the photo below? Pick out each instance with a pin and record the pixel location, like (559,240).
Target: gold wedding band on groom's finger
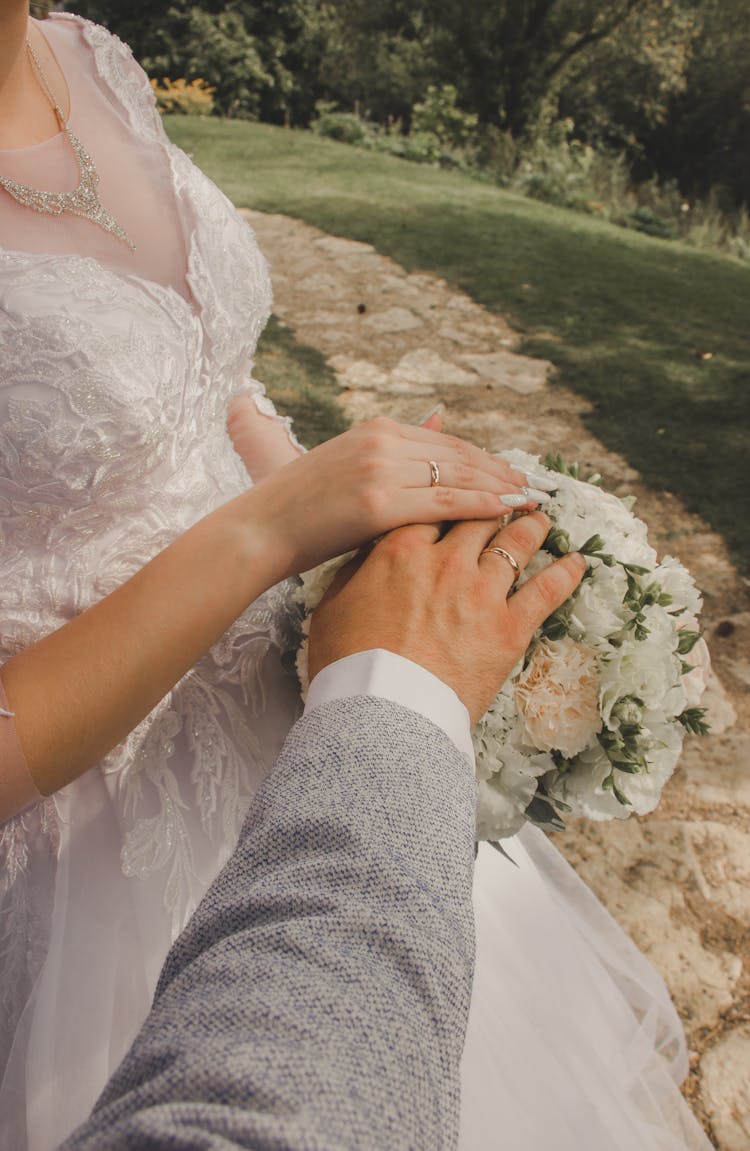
(434,473)
(506,556)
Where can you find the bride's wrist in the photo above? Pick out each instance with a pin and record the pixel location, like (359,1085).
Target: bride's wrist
(265,548)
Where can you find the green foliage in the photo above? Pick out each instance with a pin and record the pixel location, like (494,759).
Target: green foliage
(195,44)
(346,127)
(555,166)
(693,719)
(646,220)
(193,98)
(576,101)
(438,115)
(703,142)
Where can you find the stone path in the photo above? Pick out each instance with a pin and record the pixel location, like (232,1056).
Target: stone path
(679,880)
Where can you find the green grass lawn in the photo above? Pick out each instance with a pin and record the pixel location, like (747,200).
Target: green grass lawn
(654,334)
(301,384)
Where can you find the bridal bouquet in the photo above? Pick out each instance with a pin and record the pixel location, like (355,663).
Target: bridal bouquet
(592,719)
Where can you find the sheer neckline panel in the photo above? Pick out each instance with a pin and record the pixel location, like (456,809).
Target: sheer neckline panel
(109,97)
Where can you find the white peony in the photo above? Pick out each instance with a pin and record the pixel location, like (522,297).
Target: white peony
(556,695)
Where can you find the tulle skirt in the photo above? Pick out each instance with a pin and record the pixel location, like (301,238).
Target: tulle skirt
(573,1042)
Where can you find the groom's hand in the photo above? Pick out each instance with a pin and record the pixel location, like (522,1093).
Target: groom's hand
(442,601)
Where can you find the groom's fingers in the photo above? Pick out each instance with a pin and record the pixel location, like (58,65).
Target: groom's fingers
(545,592)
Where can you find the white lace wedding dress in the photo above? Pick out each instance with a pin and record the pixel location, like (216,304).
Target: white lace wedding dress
(116,372)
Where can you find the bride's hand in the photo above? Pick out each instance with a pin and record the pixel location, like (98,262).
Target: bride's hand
(376,477)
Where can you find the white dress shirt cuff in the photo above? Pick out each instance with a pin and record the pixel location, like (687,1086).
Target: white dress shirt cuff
(390,676)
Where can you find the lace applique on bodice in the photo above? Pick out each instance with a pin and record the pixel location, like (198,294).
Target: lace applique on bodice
(112,442)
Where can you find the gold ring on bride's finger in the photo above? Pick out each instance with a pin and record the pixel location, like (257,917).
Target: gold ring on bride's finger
(434,473)
(506,556)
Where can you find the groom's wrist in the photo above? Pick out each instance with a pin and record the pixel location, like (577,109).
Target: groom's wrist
(385,674)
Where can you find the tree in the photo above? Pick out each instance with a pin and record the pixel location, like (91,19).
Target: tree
(704,140)
(191,43)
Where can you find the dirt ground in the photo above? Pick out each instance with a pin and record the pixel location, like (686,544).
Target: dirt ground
(677,880)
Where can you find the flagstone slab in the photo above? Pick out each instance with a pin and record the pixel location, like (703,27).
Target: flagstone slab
(726,1087)
(424,366)
(393,320)
(505,369)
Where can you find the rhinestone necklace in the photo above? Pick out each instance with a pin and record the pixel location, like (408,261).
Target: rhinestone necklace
(83,200)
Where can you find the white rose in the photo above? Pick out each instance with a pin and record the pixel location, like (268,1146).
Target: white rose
(556,695)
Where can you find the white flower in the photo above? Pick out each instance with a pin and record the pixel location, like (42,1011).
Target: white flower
(695,681)
(677,582)
(556,695)
(598,609)
(648,669)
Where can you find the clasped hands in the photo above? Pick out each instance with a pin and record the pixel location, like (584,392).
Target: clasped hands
(431,593)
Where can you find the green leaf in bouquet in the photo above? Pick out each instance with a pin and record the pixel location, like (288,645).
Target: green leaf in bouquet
(609,784)
(595,479)
(555,463)
(557,542)
(593,544)
(685,668)
(594,548)
(652,594)
(562,766)
(557,625)
(541,813)
(499,847)
(638,627)
(693,719)
(634,569)
(686,641)
(630,766)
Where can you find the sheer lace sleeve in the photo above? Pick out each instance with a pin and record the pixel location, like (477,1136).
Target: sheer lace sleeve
(262,438)
(17,788)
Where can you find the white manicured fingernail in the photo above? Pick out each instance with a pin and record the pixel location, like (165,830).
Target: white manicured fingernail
(536,495)
(512,500)
(542,483)
(438,409)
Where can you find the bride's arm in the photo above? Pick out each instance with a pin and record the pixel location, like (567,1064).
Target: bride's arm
(79,691)
(262,439)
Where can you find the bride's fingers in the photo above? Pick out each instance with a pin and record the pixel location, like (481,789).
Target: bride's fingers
(427,444)
(430,473)
(438,504)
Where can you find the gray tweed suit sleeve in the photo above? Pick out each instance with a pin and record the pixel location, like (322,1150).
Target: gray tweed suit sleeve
(318,999)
